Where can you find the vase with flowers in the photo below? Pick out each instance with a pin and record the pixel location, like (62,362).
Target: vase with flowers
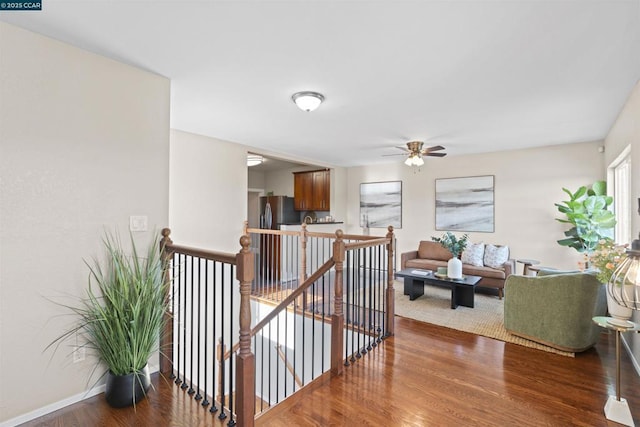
(455,246)
(606,257)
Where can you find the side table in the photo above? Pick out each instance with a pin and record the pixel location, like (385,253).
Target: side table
(527,263)
(536,268)
(617,409)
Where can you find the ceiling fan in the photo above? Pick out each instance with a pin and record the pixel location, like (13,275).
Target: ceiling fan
(414,153)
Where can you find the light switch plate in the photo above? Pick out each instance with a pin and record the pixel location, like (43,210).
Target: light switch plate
(138,222)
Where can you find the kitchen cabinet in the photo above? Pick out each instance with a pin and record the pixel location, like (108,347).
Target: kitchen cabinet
(321,190)
(302,191)
(312,190)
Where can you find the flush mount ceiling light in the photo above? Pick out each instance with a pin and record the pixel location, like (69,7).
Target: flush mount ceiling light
(254,159)
(307,101)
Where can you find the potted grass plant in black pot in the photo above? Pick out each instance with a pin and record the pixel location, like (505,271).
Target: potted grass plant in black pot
(121,317)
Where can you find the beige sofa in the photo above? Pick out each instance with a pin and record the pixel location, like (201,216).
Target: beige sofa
(431,255)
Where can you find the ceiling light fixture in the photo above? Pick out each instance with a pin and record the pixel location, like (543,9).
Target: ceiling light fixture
(414,160)
(415,153)
(254,159)
(307,101)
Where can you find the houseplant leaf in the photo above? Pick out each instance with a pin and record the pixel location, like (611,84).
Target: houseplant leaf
(586,210)
(599,188)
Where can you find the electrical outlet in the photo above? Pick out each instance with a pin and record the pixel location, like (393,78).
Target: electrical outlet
(78,354)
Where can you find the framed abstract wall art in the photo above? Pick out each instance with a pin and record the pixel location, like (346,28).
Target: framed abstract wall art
(465,204)
(381,204)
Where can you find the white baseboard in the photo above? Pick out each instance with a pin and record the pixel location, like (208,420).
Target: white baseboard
(45,410)
(53,407)
(636,366)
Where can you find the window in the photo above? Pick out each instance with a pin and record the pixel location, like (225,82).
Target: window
(619,175)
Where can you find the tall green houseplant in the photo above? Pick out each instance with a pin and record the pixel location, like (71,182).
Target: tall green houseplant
(587,211)
(122,315)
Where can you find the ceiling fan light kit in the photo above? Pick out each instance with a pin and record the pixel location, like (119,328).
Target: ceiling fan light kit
(307,101)
(414,160)
(415,153)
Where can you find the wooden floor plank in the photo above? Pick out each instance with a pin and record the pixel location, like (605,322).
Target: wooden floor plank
(429,375)
(424,376)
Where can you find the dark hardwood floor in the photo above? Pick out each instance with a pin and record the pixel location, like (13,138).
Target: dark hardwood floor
(424,376)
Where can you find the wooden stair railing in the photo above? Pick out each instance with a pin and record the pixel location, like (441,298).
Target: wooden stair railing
(286,302)
(337,317)
(195,273)
(245,360)
(167,249)
(245,367)
(288,364)
(245,395)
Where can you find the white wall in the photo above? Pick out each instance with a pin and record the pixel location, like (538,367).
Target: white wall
(281,181)
(208,192)
(84,143)
(339,194)
(626,131)
(527,184)
(256,179)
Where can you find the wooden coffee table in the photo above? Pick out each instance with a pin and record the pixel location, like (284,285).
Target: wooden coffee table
(462,290)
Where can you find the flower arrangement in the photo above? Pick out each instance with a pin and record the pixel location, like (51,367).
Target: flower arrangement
(452,243)
(606,257)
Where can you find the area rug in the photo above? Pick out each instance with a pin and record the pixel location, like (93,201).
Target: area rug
(485,319)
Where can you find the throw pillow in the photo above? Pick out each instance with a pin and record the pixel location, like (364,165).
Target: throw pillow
(495,256)
(473,254)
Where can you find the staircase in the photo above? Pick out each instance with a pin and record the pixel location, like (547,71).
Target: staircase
(328,303)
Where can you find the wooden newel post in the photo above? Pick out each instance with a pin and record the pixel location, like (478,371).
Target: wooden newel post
(166,334)
(245,360)
(337,319)
(391,301)
(303,253)
(302,301)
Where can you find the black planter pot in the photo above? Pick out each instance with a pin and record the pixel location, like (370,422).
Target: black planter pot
(126,390)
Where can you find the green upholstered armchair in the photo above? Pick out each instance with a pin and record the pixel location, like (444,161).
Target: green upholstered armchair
(555,309)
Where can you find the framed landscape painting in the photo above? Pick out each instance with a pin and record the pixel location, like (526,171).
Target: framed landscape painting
(381,204)
(465,204)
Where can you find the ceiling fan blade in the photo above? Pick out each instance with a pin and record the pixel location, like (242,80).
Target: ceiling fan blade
(414,148)
(434,148)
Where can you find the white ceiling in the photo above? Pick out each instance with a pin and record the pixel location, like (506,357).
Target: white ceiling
(474,76)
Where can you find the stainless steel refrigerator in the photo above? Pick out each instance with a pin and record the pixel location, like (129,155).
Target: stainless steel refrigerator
(277,210)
